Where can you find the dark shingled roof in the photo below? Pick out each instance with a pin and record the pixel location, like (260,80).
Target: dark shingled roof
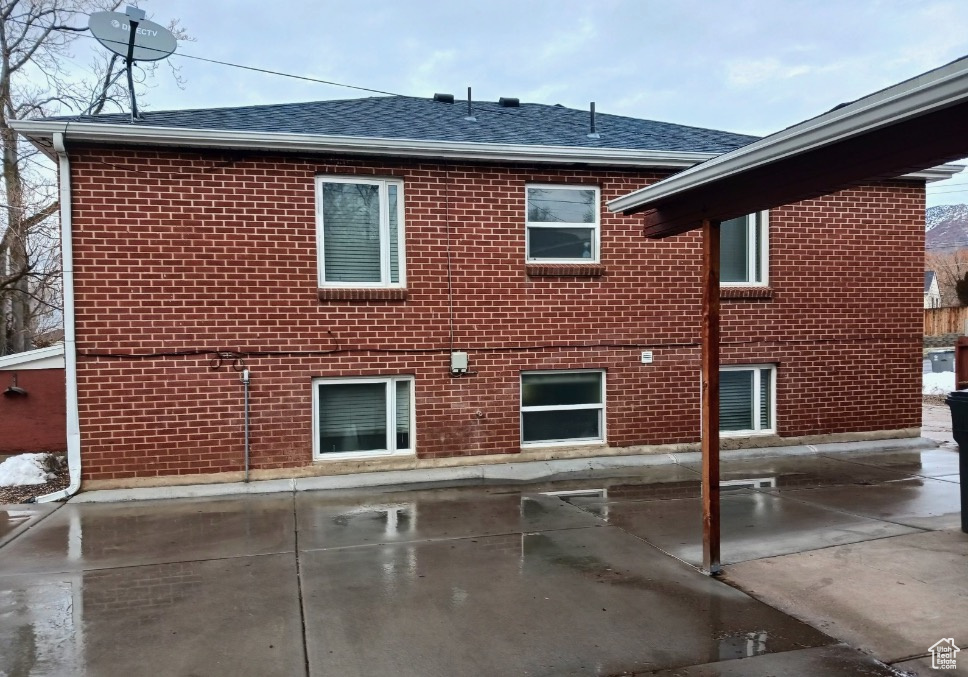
(928,279)
(404,117)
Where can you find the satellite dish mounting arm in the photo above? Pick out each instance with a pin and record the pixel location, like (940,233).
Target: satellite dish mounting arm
(135,16)
(132,37)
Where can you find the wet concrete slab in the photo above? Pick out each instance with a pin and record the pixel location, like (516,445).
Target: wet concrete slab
(919,462)
(420,516)
(893,598)
(837,660)
(587,601)
(220,617)
(498,579)
(924,503)
(17,518)
(94,536)
(805,471)
(755,524)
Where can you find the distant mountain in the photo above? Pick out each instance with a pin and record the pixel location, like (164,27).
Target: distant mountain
(946,226)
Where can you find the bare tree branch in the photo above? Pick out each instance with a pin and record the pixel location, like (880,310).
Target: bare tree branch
(36,38)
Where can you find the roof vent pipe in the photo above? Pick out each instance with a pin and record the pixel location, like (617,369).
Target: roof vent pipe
(470,115)
(592,134)
(507,102)
(444,98)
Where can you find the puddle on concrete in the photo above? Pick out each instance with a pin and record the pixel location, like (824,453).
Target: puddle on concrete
(564,602)
(742,645)
(395,519)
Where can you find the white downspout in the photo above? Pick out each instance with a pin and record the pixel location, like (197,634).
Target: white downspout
(70,345)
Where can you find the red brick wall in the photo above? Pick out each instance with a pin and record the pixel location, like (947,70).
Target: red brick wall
(37,422)
(201,251)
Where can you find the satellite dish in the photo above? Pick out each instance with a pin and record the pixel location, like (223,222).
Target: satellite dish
(152,42)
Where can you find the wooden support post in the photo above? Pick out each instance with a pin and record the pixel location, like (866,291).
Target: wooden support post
(710,397)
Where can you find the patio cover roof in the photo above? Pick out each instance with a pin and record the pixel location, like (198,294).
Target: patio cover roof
(916,124)
(906,128)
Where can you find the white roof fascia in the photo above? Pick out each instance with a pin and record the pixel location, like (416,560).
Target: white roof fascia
(22,360)
(927,92)
(939,173)
(353,145)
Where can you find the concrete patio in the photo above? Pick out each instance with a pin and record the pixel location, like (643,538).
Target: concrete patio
(825,555)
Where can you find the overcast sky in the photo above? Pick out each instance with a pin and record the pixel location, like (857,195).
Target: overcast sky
(753,66)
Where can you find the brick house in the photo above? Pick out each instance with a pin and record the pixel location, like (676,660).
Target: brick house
(32,414)
(412,284)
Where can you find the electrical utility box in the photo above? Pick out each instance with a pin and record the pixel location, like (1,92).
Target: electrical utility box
(458,362)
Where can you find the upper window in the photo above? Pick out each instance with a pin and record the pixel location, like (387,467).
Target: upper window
(363,417)
(746,400)
(562,407)
(562,224)
(360,232)
(744,250)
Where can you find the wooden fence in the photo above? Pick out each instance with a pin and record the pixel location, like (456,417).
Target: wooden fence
(938,321)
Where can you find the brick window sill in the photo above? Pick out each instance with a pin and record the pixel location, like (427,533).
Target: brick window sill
(565,269)
(746,293)
(361,294)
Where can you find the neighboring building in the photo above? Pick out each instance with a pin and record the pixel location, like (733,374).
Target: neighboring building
(932,293)
(32,406)
(411,286)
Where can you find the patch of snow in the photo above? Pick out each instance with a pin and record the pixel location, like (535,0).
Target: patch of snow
(940,383)
(25,469)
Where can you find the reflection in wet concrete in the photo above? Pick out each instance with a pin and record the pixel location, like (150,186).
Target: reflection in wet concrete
(396,519)
(224,617)
(924,503)
(805,471)
(41,632)
(568,602)
(594,501)
(742,645)
(923,462)
(553,580)
(78,537)
(755,524)
(423,515)
(15,518)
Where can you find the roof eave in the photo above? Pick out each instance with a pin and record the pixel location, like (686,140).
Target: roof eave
(40,132)
(939,173)
(931,91)
(35,355)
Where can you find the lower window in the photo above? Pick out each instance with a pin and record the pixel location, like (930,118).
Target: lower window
(363,417)
(562,407)
(746,402)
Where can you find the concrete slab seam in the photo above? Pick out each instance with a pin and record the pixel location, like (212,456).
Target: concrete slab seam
(29,524)
(299,587)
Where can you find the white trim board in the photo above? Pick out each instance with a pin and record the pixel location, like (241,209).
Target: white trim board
(51,357)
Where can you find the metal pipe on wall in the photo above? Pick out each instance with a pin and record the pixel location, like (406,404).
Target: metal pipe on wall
(245,389)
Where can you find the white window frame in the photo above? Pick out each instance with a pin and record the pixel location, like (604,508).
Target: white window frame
(760,222)
(757,381)
(391,413)
(383,184)
(571,442)
(594,227)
